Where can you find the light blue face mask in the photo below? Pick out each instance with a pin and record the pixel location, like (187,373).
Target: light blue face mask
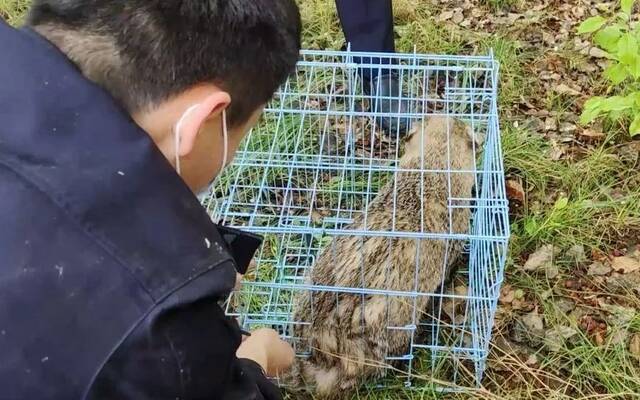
(202,194)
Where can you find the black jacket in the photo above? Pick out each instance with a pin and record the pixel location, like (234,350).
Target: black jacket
(111,272)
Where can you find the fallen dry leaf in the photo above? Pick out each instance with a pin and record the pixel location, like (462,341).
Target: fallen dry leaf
(550,124)
(634,345)
(556,152)
(624,284)
(619,336)
(552,271)
(531,360)
(578,313)
(573,284)
(542,260)
(577,253)
(589,324)
(598,269)
(444,16)
(598,255)
(534,323)
(556,337)
(598,337)
(565,305)
(522,305)
(566,89)
(515,191)
(507,294)
(619,315)
(316,217)
(591,135)
(458,16)
(567,127)
(598,53)
(625,264)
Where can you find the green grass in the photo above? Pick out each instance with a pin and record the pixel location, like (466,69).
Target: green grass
(513,83)
(13,11)
(503,4)
(602,208)
(593,216)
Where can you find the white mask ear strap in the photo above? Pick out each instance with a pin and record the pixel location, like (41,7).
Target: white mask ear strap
(176,134)
(225,138)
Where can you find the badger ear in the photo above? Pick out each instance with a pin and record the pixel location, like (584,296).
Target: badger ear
(412,135)
(475,137)
(416,127)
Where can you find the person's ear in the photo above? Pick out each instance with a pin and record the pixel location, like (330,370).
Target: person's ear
(195,117)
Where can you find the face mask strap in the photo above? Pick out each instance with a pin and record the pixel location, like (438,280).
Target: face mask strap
(225,138)
(176,134)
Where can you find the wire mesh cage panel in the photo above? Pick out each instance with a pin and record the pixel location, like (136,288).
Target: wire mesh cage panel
(347,220)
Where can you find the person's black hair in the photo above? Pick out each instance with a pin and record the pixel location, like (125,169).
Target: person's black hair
(146,51)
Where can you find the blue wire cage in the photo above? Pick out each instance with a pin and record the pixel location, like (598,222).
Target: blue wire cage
(316,160)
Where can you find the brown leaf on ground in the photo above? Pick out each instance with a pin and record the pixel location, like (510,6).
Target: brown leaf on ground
(568,127)
(625,264)
(598,338)
(542,260)
(566,89)
(598,255)
(624,284)
(598,269)
(598,53)
(634,346)
(458,16)
(507,294)
(618,336)
(577,253)
(590,135)
(573,284)
(556,152)
(589,324)
(515,191)
(619,315)
(556,337)
(445,16)
(550,124)
(317,216)
(522,305)
(534,323)
(565,305)
(532,360)
(578,313)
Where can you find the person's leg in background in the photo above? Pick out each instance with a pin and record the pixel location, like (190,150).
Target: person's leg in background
(368,26)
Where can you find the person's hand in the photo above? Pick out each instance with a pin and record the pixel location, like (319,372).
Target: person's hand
(238,282)
(265,347)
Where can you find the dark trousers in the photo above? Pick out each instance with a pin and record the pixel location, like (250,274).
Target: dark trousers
(368,26)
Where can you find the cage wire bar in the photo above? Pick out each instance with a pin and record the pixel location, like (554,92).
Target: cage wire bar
(318,158)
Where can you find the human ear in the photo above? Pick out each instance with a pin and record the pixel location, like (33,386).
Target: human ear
(195,117)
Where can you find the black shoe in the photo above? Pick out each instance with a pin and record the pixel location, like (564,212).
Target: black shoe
(387,98)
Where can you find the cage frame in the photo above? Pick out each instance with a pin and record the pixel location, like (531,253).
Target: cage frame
(489,229)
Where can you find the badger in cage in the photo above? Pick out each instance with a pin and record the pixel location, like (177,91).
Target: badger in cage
(350,336)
